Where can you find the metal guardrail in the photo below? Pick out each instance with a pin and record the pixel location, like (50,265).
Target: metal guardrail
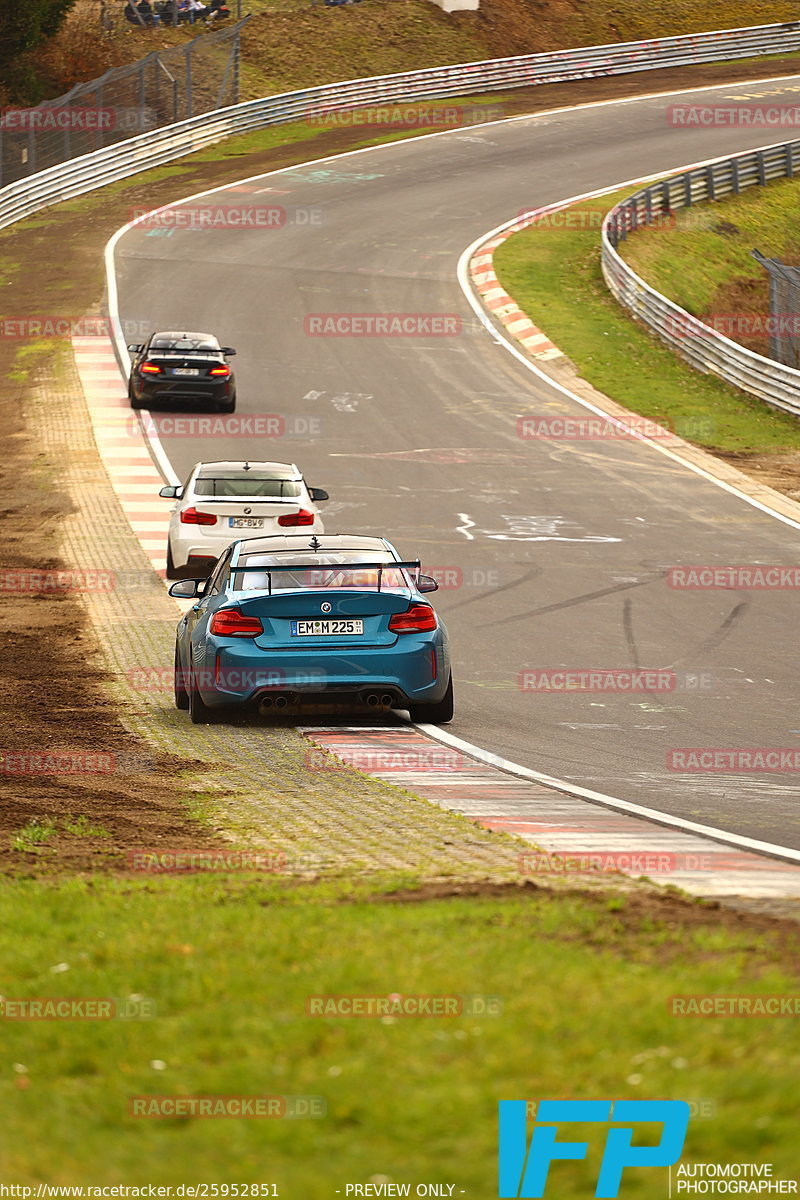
(152,149)
(704,347)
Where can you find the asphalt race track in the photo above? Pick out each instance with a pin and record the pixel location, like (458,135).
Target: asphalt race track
(561,546)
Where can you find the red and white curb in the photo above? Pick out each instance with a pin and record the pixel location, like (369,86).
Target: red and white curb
(122,446)
(571,836)
(502,306)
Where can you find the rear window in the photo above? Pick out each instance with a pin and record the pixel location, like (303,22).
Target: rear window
(247,487)
(331,569)
(186,345)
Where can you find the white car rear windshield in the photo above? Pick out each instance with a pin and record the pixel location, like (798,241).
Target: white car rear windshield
(329,569)
(185,345)
(247,487)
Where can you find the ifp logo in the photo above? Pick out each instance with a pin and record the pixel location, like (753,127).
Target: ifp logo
(524,1170)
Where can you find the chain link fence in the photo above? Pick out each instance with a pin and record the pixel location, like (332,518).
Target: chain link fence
(784,307)
(164,87)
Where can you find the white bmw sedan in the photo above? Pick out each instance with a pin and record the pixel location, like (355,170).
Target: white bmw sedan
(224,501)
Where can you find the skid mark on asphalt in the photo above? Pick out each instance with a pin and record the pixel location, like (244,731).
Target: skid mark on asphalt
(564,827)
(584,599)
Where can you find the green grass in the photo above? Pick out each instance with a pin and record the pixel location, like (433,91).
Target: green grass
(83,827)
(709,247)
(553,272)
(228,964)
(34,835)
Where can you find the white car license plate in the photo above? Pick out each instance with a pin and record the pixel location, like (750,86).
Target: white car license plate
(185,371)
(245,523)
(325,628)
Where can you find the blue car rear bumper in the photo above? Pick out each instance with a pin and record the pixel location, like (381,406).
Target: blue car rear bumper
(234,671)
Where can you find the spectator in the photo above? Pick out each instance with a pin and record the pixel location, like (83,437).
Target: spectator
(218,9)
(197,11)
(145,11)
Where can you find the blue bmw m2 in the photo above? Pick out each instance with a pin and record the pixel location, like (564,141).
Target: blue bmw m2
(285,622)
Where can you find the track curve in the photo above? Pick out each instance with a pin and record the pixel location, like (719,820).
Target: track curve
(561,546)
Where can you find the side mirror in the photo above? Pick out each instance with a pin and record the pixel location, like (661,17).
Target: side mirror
(318,494)
(170,492)
(135,347)
(187,589)
(227,351)
(426,583)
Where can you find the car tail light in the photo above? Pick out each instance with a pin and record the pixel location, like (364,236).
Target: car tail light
(190,516)
(418,618)
(148,368)
(224,371)
(232,622)
(299,518)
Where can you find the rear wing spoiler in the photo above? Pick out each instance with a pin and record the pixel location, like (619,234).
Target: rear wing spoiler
(380,567)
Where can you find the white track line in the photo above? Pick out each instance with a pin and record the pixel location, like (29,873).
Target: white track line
(168,471)
(637,810)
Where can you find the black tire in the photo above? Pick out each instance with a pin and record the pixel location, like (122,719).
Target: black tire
(227,408)
(199,713)
(173,572)
(181,694)
(434,714)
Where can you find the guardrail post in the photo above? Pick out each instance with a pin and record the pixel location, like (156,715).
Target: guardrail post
(687,189)
(236,50)
(762,174)
(648,206)
(711,182)
(735,186)
(189,111)
(789,152)
(143,95)
(99,104)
